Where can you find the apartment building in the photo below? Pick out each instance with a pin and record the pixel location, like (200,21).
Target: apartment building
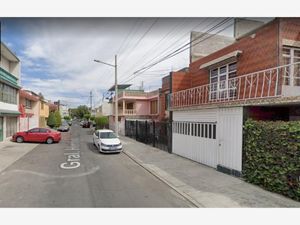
(9,92)
(257,76)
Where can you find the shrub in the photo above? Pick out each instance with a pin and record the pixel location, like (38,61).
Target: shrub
(101,122)
(92,118)
(272,156)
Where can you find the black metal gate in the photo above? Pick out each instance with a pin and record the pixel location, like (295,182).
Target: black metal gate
(157,134)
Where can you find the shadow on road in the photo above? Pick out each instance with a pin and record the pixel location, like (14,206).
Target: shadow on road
(94,149)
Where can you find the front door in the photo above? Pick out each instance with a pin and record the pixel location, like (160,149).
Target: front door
(230,135)
(1,128)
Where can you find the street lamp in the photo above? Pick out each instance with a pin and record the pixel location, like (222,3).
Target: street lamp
(116,91)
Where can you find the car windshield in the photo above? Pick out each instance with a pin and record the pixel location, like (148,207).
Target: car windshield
(64,123)
(107,135)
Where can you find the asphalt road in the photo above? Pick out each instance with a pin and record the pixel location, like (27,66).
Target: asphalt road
(73,174)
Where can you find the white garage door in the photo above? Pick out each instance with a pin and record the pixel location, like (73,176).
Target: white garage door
(195,135)
(210,136)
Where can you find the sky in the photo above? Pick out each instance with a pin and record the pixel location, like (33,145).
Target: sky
(57,53)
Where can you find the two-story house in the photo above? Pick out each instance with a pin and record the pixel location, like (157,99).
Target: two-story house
(9,88)
(135,105)
(257,76)
(29,108)
(43,112)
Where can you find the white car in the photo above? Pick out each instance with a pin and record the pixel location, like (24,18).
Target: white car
(106,141)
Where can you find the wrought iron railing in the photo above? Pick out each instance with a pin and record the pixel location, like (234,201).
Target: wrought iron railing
(258,85)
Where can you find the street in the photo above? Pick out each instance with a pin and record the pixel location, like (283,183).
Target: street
(48,177)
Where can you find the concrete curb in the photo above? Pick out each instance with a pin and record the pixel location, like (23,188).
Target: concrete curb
(183,194)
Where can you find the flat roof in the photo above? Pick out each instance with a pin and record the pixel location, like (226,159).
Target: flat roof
(8,53)
(120,87)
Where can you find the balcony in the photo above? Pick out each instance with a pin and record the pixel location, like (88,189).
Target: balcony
(278,82)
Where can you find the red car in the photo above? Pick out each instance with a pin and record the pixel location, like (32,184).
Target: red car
(37,135)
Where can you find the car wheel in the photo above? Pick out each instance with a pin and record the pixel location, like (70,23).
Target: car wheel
(49,140)
(20,139)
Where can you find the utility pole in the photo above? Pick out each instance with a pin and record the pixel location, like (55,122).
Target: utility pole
(116,91)
(91,100)
(116,98)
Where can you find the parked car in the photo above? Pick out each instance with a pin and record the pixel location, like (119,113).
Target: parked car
(81,122)
(106,141)
(37,135)
(70,122)
(86,124)
(64,127)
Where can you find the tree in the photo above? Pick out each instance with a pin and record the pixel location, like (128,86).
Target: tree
(87,116)
(57,118)
(67,118)
(101,122)
(92,118)
(81,111)
(51,122)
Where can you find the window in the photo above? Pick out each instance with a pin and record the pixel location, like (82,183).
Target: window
(28,104)
(222,82)
(292,74)
(8,94)
(153,107)
(196,129)
(34,130)
(43,130)
(42,105)
(166,101)
(129,105)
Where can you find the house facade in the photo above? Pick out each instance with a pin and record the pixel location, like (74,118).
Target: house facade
(9,92)
(135,105)
(257,76)
(29,109)
(43,112)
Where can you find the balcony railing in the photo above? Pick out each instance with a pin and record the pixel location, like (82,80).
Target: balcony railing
(127,112)
(269,83)
(130,112)
(138,94)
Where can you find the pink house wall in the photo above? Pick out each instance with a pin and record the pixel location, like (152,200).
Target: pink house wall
(142,107)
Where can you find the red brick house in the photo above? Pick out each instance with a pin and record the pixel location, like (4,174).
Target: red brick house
(256,76)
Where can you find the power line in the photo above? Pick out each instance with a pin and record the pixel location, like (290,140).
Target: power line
(127,36)
(155,45)
(173,43)
(143,36)
(178,51)
(188,44)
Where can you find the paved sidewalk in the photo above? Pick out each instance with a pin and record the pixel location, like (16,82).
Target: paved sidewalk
(12,151)
(202,185)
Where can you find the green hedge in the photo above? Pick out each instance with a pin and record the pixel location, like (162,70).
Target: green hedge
(272,156)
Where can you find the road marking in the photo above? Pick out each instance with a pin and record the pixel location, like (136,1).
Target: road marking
(92,171)
(72,157)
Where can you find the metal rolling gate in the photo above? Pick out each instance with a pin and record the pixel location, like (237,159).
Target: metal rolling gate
(157,134)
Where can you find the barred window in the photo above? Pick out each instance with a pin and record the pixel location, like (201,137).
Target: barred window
(196,129)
